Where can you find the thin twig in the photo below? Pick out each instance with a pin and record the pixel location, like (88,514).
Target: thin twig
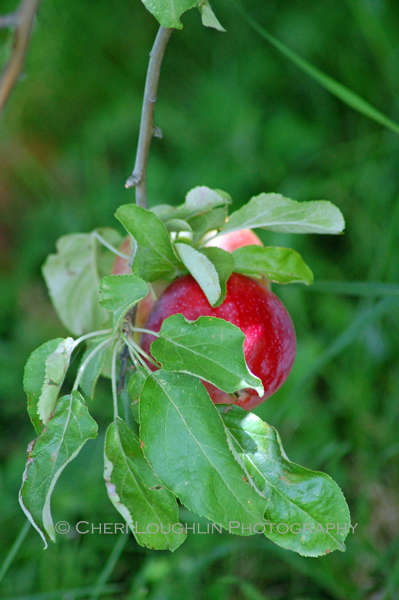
(23,21)
(138,179)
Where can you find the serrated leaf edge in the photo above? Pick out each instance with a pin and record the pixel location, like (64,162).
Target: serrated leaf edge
(340,545)
(46,513)
(245,384)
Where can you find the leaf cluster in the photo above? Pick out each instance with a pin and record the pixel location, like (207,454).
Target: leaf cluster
(168,12)
(171,241)
(220,462)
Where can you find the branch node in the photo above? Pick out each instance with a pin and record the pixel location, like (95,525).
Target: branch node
(157,132)
(132,181)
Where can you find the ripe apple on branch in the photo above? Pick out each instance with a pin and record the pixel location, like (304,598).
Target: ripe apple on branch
(229,242)
(269,346)
(270,343)
(215,344)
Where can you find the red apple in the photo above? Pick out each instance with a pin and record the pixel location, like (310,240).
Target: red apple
(270,343)
(235,239)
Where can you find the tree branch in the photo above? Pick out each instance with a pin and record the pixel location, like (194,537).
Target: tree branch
(23,21)
(138,179)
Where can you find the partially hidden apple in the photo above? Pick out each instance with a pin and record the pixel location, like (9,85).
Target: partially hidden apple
(270,343)
(229,242)
(235,239)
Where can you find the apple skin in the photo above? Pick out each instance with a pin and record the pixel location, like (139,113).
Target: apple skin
(235,239)
(270,343)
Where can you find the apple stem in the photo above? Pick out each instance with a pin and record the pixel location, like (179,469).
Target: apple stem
(153,294)
(138,179)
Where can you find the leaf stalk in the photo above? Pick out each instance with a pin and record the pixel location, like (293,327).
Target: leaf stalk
(88,359)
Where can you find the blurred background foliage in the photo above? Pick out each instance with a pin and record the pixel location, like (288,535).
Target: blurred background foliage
(235,115)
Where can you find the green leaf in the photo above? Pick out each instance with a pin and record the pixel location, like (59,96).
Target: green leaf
(56,367)
(225,195)
(210,348)
(164,212)
(168,12)
(66,433)
(208,16)
(200,200)
(34,375)
(154,258)
(203,271)
(135,386)
(136,383)
(276,213)
(210,221)
(72,277)
(331,85)
(119,293)
(281,265)
(95,354)
(185,442)
(107,366)
(307,503)
(177,225)
(224,265)
(137,494)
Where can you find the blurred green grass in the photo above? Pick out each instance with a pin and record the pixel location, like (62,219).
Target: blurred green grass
(235,115)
